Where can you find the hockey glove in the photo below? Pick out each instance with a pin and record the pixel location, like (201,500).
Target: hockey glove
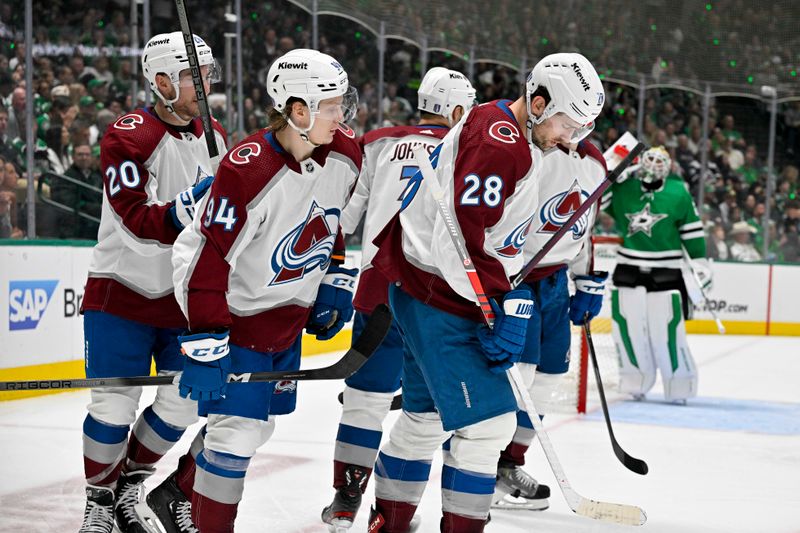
(702,269)
(503,344)
(334,305)
(588,298)
(206,367)
(182,210)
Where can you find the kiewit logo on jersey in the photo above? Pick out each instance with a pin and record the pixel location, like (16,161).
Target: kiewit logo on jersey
(307,246)
(27,302)
(512,245)
(557,210)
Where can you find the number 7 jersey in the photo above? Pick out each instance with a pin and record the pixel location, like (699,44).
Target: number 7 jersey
(386,184)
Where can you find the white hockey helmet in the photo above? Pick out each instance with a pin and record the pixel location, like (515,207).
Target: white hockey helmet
(575,89)
(655,164)
(165,53)
(312,77)
(442,90)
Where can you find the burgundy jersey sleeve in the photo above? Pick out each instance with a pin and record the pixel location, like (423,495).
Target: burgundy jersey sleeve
(127,181)
(484,180)
(225,228)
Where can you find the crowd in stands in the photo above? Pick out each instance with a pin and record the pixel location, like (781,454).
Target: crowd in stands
(84,80)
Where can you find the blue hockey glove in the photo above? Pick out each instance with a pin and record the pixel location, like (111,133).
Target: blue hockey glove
(503,344)
(334,305)
(588,297)
(182,211)
(206,367)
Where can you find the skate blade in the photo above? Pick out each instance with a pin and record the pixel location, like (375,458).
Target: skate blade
(510,503)
(148,518)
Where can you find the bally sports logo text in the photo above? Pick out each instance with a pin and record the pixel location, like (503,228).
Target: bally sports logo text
(28,301)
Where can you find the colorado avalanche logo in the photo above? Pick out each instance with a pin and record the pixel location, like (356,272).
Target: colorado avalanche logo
(516,240)
(504,131)
(129,122)
(347,131)
(282,387)
(242,154)
(557,210)
(306,247)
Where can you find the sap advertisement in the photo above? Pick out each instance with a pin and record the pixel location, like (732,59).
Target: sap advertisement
(43,289)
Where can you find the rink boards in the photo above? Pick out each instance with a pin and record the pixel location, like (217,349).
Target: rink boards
(42,331)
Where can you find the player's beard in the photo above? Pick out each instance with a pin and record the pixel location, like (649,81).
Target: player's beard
(540,143)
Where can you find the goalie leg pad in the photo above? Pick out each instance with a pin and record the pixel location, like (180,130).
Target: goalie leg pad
(670,348)
(630,331)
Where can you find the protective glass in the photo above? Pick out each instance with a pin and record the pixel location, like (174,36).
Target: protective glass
(562,124)
(344,111)
(211,73)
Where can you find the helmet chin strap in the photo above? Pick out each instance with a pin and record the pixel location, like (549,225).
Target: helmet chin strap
(304,133)
(171,110)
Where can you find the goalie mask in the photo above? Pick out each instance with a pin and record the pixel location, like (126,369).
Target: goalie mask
(442,90)
(312,77)
(575,90)
(655,165)
(165,53)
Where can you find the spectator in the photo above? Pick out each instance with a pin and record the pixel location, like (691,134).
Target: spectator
(79,199)
(716,247)
(16,113)
(742,249)
(6,151)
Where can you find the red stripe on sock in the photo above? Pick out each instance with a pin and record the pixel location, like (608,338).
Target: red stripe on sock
(396,515)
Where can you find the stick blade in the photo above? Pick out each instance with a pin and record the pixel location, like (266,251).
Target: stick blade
(632,463)
(615,513)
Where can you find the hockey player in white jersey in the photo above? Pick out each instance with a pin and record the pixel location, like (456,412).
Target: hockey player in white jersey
(455,388)
(156,167)
(569,175)
(261,263)
(384,187)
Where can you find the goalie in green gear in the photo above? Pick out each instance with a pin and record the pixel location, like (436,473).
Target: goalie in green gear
(656,217)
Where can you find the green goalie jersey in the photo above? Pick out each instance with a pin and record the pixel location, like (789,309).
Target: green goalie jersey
(654,224)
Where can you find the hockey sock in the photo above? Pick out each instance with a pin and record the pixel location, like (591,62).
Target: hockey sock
(150,439)
(218,487)
(354,446)
(514,453)
(453,523)
(466,495)
(187,464)
(103,450)
(399,484)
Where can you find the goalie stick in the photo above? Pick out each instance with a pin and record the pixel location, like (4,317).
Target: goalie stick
(609,512)
(374,331)
(200,92)
(631,463)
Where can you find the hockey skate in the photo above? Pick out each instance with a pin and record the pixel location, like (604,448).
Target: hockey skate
(130,491)
(98,517)
(166,510)
(341,513)
(517,490)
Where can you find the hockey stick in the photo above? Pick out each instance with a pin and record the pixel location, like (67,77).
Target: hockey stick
(200,92)
(374,331)
(631,463)
(605,511)
(585,206)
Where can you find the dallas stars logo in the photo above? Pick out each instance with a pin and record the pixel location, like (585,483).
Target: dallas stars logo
(643,221)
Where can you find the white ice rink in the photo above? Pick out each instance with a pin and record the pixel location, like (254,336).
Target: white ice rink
(729,462)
